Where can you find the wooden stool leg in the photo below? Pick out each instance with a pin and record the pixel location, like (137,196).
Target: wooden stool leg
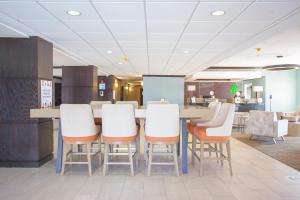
(88,149)
(63,160)
(221,153)
(175,158)
(100,152)
(105,158)
(217,155)
(130,158)
(201,157)
(150,158)
(193,149)
(229,156)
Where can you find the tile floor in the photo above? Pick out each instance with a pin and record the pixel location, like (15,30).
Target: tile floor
(256,176)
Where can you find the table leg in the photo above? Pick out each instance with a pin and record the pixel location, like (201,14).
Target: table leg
(59,150)
(184,159)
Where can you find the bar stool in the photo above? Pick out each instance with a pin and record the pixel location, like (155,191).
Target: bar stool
(135,104)
(162,127)
(78,127)
(214,108)
(98,105)
(119,127)
(218,133)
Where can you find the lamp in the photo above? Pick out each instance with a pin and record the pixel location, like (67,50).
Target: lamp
(258,90)
(191,89)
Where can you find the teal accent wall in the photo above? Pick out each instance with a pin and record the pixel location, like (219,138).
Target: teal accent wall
(283,86)
(169,88)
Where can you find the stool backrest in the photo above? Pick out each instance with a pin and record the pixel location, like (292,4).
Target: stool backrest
(134,103)
(98,104)
(77,120)
(118,120)
(162,120)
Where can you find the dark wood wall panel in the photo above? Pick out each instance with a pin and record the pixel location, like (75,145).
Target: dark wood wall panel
(79,76)
(78,95)
(79,84)
(18,96)
(221,89)
(24,62)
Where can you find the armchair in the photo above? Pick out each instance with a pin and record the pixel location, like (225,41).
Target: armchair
(263,123)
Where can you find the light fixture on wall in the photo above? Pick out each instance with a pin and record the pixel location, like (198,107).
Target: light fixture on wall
(116,84)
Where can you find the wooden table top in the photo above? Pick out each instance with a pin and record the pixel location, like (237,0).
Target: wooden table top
(188,112)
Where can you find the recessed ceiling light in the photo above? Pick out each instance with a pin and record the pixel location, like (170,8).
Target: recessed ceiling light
(73,13)
(218,13)
(186,51)
(109,52)
(120,63)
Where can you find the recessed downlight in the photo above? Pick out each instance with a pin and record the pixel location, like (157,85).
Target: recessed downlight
(73,13)
(109,52)
(218,13)
(186,51)
(120,63)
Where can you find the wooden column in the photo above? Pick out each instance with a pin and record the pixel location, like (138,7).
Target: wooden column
(79,84)
(24,62)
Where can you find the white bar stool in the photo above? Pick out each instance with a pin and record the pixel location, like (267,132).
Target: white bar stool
(78,127)
(119,127)
(162,127)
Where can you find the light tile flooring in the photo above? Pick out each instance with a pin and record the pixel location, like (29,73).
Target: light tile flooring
(256,176)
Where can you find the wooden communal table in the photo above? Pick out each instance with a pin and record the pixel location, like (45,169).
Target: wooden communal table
(186,112)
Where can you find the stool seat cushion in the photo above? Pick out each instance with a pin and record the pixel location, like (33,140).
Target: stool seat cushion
(200,133)
(81,139)
(119,139)
(162,139)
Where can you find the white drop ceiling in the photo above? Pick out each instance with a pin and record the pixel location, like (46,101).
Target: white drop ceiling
(285,44)
(152,34)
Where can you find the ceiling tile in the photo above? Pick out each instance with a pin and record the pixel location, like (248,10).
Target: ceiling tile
(7,32)
(246,27)
(165,27)
(96,37)
(126,26)
(62,36)
(268,11)
(232,9)
(209,27)
(169,11)
(59,9)
(24,10)
(52,26)
(121,11)
(86,25)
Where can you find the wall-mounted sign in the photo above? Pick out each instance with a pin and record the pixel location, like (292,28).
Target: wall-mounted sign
(234,89)
(46,94)
(101,93)
(101,86)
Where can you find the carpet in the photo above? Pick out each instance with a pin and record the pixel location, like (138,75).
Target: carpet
(287,152)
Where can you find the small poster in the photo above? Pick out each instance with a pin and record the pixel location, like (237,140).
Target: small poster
(102,86)
(46,94)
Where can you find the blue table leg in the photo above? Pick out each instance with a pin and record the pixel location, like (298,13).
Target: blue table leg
(184,159)
(59,150)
